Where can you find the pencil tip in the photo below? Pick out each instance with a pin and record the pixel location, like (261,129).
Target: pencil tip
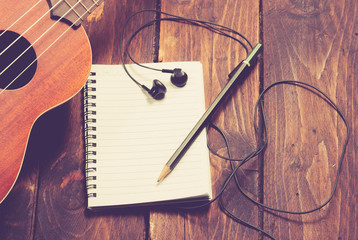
(165,172)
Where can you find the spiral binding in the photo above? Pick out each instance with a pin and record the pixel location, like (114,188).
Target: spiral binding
(90,135)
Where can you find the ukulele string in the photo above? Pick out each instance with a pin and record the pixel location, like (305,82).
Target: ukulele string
(7,29)
(32,44)
(22,34)
(47,47)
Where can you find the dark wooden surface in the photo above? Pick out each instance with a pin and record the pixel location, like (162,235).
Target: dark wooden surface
(312,41)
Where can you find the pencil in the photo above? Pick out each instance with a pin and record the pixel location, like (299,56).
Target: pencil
(175,158)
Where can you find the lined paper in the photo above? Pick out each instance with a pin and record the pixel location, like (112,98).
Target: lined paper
(136,136)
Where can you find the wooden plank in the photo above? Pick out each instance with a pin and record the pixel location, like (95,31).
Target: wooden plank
(18,209)
(314,42)
(61,209)
(181,42)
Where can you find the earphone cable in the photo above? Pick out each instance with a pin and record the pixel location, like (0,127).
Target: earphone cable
(178,20)
(220,29)
(262,146)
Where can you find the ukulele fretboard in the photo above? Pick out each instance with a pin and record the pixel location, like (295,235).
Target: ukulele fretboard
(73,12)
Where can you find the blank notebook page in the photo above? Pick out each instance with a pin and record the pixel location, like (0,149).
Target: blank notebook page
(136,135)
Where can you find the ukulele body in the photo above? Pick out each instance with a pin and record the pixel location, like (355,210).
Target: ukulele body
(61,69)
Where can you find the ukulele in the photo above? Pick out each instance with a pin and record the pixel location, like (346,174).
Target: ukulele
(45,59)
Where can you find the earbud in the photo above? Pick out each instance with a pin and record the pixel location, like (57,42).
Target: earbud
(178,77)
(157,91)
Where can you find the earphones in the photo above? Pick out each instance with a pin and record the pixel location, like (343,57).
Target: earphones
(178,76)
(158,90)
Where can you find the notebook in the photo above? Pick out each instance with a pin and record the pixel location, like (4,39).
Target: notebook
(129,137)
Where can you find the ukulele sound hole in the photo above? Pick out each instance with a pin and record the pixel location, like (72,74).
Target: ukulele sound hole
(17,61)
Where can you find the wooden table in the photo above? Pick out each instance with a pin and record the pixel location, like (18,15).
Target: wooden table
(312,41)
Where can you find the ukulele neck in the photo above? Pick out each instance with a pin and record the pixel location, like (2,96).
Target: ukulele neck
(72,12)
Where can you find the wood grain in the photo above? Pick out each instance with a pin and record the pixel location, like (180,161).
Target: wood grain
(61,211)
(219,56)
(313,42)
